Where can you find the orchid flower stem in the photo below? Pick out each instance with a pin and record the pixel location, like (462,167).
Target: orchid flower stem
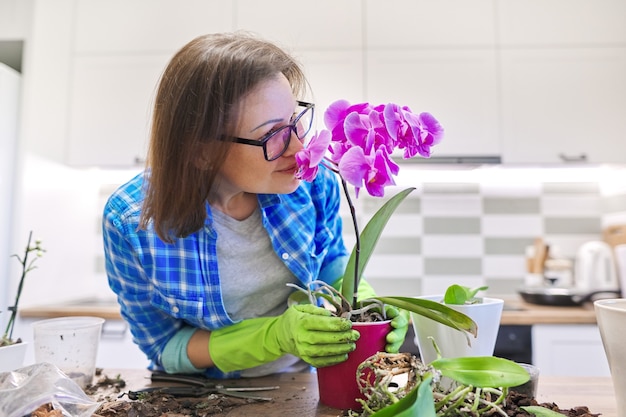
(24,261)
(357,245)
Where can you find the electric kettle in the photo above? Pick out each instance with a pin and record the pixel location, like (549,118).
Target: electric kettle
(595,268)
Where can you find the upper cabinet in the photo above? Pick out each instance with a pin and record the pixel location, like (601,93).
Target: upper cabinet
(94,67)
(326,36)
(562,66)
(559,23)
(564,105)
(530,81)
(429,24)
(145,26)
(437,56)
(458,87)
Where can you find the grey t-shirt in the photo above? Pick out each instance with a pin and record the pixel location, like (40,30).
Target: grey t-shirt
(256,274)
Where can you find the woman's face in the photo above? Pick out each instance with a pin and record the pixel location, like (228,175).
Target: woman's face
(267,107)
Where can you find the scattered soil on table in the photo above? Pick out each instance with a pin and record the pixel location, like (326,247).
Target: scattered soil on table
(109,391)
(515,400)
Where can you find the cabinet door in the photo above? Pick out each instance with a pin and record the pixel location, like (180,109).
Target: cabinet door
(110,109)
(569,350)
(315,25)
(561,22)
(333,75)
(457,86)
(561,105)
(161,26)
(429,23)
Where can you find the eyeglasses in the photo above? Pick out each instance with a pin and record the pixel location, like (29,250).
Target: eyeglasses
(276,142)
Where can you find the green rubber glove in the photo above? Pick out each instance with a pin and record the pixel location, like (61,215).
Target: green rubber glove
(400,325)
(304,330)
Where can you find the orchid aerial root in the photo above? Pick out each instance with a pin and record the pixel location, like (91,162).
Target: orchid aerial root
(386,378)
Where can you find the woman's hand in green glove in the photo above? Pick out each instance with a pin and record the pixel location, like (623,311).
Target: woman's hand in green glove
(312,334)
(306,331)
(400,325)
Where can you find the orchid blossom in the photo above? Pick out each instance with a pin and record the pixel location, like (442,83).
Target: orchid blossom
(358,142)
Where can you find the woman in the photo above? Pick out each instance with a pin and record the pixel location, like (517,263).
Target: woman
(200,248)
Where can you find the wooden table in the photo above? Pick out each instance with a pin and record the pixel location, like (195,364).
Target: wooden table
(298,394)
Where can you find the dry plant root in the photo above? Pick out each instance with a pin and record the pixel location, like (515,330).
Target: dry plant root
(385,378)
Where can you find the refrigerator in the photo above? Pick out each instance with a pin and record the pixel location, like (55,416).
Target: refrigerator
(10,81)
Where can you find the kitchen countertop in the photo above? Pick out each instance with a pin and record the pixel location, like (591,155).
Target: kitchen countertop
(516,312)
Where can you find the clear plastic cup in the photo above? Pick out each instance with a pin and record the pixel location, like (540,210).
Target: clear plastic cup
(529,388)
(71,344)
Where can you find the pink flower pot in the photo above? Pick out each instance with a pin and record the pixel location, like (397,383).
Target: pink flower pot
(337,384)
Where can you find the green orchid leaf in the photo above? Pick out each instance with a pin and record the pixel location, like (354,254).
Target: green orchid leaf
(539,411)
(435,311)
(369,239)
(418,402)
(482,371)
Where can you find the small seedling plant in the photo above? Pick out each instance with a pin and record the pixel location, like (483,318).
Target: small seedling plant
(460,295)
(27,262)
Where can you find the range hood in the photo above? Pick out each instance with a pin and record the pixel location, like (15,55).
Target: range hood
(450,160)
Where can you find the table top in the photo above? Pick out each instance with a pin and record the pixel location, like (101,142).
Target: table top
(298,393)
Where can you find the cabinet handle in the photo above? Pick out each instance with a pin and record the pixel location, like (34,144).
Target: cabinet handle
(580,158)
(114,330)
(139,160)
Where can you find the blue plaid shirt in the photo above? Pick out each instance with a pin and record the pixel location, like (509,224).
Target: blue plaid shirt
(162,287)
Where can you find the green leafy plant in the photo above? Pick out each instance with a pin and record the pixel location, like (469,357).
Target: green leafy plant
(459,295)
(27,266)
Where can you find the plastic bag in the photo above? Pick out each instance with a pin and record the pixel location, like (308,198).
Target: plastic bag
(24,390)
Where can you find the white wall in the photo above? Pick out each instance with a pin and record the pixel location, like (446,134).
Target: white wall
(9,104)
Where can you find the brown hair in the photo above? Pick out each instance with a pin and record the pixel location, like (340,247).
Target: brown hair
(196,103)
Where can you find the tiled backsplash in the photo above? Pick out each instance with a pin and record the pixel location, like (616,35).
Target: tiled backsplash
(474,231)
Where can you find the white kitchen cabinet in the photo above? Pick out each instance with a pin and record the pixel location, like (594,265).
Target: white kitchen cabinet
(110,108)
(569,350)
(457,86)
(157,26)
(429,23)
(322,25)
(532,81)
(333,75)
(563,105)
(561,22)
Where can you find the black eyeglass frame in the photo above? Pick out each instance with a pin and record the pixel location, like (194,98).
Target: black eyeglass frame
(291,126)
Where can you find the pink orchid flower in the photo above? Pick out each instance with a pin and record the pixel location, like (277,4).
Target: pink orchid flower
(360,139)
(309,158)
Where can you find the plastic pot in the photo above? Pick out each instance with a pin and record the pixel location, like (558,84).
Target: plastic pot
(338,386)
